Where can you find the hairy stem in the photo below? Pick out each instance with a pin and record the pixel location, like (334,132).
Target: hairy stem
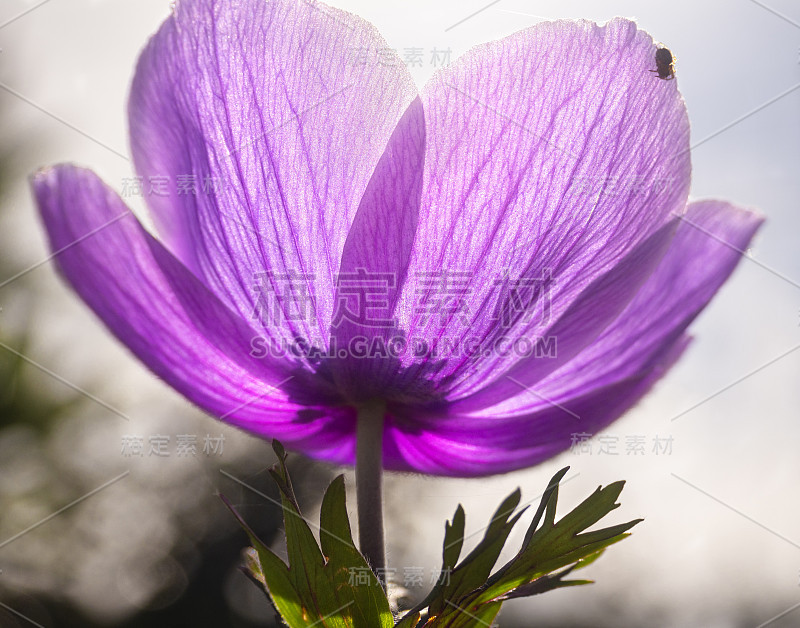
(369,486)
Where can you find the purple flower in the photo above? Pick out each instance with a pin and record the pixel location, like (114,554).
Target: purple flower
(505,259)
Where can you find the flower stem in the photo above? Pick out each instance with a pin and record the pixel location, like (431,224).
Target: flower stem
(369,486)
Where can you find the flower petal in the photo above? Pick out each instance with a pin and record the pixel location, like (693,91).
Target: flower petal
(167,317)
(271,102)
(479,446)
(708,245)
(375,260)
(593,309)
(602,382)
(553,152)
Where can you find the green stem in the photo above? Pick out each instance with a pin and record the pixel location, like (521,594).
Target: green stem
(369,486)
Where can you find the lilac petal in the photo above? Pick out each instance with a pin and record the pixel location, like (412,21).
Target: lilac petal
(376,256)
(710,242)
(603,381)
(515,128)
(287,107)
(168,318)
(707,247)
(599,304)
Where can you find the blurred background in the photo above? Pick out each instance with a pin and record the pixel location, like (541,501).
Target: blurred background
(108,479)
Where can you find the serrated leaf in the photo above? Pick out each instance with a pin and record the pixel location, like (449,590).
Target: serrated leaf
(592,509)
(550,551)
(546,583)
(473,571)
(554,545)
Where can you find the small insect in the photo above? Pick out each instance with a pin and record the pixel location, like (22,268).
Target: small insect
(665,64)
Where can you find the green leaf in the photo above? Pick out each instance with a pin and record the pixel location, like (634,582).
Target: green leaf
(409,620)
(545,583)
(465,616)
(453,539)
(319,588)
(554,545)
(473,571)
(271,570)
(369,602)
(550,495)
(550,551)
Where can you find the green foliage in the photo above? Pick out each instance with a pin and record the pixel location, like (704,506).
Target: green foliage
(317,588)
(471,598)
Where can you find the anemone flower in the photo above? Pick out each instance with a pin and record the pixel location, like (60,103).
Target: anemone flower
(464,275)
